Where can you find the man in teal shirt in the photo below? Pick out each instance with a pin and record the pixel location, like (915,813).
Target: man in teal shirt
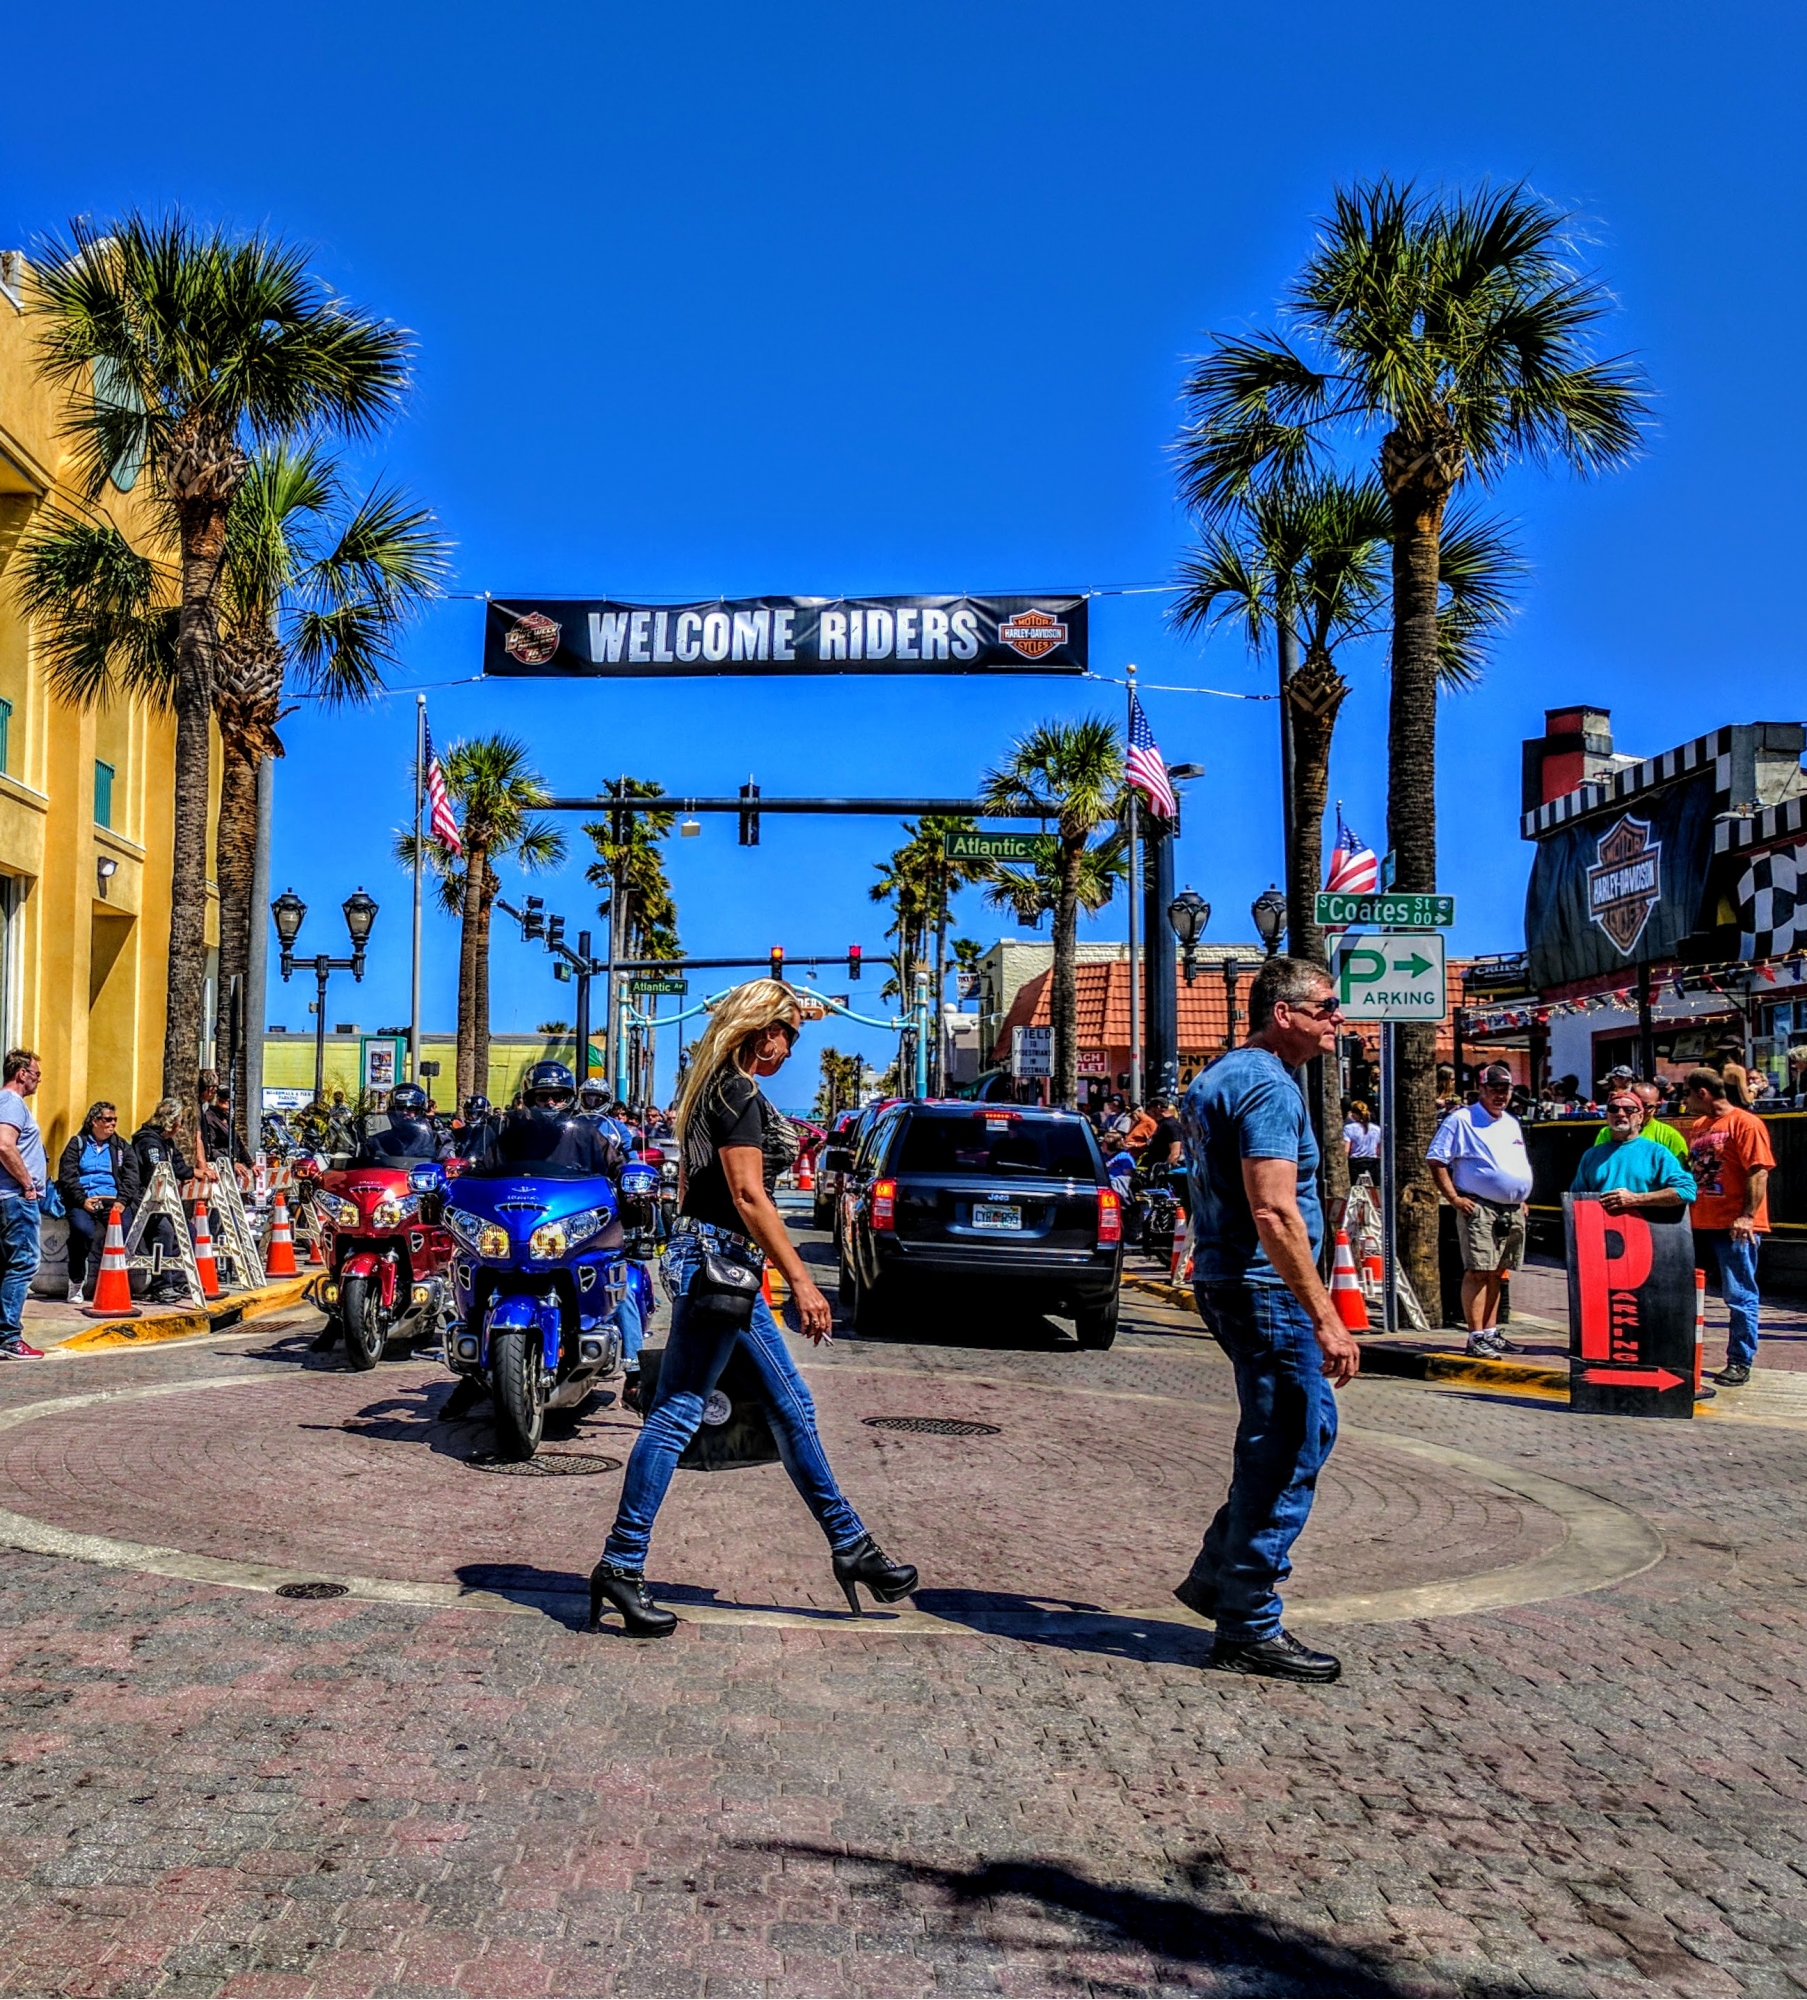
(1655,1128)
(1629,1169)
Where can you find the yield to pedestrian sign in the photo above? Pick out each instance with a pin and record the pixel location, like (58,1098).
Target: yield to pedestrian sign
(1397,976)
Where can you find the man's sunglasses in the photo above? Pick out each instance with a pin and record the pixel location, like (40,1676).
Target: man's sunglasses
(1325,1010)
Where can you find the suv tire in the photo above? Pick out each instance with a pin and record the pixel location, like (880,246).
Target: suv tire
(1097,1328)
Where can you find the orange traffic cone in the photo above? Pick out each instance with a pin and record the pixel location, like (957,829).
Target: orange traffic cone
(313,1237)
(113,1291)
(1374,1269)
(806,1175)
(1179,1265)
(203,1233)
(280,1263)
(1346,1287)
(773,1288)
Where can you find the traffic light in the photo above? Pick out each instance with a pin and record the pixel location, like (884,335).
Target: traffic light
(853,961)
(621,821)
(777,961)
(555,933)
(533,921)
(749,814)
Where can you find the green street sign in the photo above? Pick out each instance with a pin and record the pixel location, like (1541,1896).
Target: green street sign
(995,846)
(1393,908)
(1391,978)
(644,989)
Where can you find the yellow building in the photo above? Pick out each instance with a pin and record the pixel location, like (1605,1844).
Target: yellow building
(86,801)
(289,1063)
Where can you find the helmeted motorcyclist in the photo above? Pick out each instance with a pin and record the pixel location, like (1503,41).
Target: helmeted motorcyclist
(546,1133)
(409,1135)
(475,1137)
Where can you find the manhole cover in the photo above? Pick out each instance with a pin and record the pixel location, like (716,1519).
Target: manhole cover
(548,1465)
(941,1427)
(312,1590)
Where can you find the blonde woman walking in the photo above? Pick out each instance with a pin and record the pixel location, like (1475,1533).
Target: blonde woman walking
(732,1146)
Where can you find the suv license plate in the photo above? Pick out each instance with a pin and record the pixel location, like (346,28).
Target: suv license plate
(989,1216)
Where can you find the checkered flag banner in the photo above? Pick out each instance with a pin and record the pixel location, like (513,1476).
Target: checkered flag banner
(1772,903)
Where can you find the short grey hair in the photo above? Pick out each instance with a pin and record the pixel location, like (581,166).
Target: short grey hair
(1290,979)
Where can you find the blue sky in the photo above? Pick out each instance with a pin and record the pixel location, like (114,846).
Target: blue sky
(834,300)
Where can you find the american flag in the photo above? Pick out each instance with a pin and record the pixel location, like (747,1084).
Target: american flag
(444,828)
(1145,766)
(1354,869)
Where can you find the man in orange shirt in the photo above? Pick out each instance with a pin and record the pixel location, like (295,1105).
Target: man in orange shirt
(1730,1157)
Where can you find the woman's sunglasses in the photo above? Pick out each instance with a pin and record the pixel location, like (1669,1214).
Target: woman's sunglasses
(789,1032)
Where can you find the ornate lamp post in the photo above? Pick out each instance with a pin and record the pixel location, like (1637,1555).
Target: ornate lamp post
(1188,914)
(360,913)
(1269,912)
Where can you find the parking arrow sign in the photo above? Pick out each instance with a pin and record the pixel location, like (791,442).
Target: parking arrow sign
(1392,976)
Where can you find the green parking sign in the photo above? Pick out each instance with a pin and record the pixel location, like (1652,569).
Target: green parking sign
(1398,976)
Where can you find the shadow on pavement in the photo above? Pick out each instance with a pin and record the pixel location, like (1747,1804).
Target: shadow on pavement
(1070,1626)
(1204,1927)
(553,1592)
(936,1322)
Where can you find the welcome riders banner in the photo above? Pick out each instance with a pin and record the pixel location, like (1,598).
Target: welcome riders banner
(549,639)
(1623,887)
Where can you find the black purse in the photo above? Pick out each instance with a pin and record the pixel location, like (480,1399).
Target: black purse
(725,1287)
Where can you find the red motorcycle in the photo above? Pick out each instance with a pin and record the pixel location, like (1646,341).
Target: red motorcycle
(388,1253)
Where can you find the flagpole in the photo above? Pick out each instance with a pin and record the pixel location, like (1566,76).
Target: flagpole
(420,778)
(1135,897)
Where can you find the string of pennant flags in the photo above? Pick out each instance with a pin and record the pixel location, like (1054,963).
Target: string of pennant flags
(1487,1020)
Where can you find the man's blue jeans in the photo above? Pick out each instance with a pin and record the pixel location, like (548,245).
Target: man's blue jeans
(630,1319)
(1737,1263)
(696,1352)
(18,1261)
(1287,1430)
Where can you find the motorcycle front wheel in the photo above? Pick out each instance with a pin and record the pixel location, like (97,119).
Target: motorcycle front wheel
(515,1372)
(361,1317)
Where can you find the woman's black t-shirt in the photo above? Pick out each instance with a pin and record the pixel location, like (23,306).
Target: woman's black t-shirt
(733,1113)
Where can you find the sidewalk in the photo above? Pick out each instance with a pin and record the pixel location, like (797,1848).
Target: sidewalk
(55,1325)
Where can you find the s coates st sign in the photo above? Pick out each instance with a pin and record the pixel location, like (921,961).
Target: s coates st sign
(555,639)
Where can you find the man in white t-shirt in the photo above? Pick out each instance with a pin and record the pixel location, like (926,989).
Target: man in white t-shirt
(1482,1170)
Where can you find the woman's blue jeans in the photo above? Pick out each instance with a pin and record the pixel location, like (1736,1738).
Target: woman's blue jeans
(1287,1430)
(696,1352)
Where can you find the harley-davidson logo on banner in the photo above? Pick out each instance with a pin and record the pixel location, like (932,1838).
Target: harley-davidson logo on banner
(1626,881)
(552,639)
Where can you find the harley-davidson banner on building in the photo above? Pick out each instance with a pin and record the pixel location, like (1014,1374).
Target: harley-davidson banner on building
(1621,889)
(552,638)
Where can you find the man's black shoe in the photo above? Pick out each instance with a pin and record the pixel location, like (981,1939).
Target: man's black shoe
(1197,1595)
(1280,1658)
(1734,1376)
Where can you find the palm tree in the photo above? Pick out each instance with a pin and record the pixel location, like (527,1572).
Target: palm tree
(1314,553)
(211,346)
(488,780)
(918,881)
(308,577)
(1076,769)
(1456,327)
(642,912)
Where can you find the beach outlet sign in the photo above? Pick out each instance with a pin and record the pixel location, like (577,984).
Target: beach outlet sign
(557,639)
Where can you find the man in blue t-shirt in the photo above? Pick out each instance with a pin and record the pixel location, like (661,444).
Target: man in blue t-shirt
(1631,1170)
(1253,1163)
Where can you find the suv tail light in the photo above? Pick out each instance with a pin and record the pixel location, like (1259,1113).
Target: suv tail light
(884,1204)
(1110,1217)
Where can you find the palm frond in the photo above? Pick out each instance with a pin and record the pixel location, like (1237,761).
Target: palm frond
(104,615)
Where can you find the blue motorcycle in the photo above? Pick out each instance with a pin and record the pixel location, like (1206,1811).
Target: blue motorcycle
(538,1276)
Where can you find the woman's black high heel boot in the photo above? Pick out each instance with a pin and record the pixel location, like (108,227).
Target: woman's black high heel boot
(867,1563)
(626,1590)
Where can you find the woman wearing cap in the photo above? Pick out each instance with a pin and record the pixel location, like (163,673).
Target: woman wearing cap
(732,1145)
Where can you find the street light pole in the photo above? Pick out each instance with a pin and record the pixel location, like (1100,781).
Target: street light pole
(1232,968)
(360,913)
(1135,998)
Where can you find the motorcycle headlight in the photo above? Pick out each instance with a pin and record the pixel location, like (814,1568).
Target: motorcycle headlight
(426,1180)
(487,1239)
(392,1213)
(342,1214)
(555,1240)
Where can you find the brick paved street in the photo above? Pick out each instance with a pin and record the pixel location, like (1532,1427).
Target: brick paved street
(1026,1785)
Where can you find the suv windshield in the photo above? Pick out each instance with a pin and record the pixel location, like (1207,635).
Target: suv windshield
(957,1143)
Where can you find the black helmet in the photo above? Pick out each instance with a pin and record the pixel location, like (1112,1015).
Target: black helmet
(550,1079)
(407,1104)
(476,1107)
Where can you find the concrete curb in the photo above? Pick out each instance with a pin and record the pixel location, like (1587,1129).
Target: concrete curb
(225,1312)
(1381,1357)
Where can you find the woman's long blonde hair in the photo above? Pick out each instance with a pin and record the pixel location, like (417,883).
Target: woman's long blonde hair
(738,1018)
